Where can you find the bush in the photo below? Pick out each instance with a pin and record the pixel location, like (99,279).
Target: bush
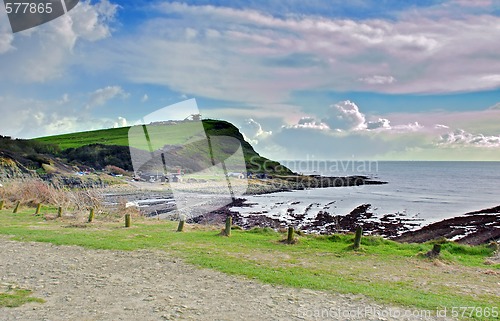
(31,191)
(115,170)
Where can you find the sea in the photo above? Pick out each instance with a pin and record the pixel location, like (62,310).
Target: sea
(428,191)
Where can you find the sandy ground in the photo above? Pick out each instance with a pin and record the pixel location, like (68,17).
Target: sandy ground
(82,284)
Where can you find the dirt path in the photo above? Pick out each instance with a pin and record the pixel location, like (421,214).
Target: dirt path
(82,284)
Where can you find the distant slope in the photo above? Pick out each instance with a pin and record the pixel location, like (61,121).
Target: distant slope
(116,136)
(111,146)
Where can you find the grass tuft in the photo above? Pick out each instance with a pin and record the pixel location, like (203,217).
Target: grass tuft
(16,297)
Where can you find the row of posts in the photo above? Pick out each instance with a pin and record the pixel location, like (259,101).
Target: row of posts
(180,227)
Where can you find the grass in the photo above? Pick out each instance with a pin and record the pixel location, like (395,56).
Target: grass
(115,136)
(120,136)
(16,297)
(383,270)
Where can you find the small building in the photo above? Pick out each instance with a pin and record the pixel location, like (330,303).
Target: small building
(236,174)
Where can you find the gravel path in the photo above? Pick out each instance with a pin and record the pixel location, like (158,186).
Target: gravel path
(82,284)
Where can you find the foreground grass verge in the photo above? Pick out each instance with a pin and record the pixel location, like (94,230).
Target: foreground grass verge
(386,271)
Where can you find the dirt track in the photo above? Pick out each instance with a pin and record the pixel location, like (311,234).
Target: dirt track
(82,284)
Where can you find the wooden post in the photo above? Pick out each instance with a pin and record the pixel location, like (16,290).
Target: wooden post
(434,253)
(38,208)
(59,212)
(229,222)
(357,237)
(180,227)
(1,204)
(91,215)
(289,238)
(17,207)
(127,220)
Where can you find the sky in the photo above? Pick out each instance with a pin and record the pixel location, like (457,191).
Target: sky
(365,80)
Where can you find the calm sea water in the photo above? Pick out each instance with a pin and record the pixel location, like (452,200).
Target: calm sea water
(431,191)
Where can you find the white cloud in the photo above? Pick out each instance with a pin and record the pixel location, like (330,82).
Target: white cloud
(461,138)
(91,22)
(345,115)
(412,127)
(43,53)
(380,123)
(64,99)
(103,95)
(310,123)
(346,132)
(34,118)
(6,38)
(440,126)
(121,122)
(6,35)
(253,132)
(144,98)
(496,106)
(264,59)
(378,80)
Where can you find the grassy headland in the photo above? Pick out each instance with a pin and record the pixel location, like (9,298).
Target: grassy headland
(111,146)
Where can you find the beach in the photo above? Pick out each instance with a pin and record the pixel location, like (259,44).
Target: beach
(315,204)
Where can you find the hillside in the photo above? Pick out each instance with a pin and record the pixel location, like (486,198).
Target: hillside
(97,149)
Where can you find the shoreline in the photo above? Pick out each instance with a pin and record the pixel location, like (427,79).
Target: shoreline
(157,201)
(472,228)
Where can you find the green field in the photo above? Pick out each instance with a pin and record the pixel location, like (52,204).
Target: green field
(383,270)
(161,135)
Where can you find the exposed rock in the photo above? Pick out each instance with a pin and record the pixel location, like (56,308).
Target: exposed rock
(472,229)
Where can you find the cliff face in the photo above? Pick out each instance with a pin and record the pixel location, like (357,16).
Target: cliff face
(254,162)
(10,167)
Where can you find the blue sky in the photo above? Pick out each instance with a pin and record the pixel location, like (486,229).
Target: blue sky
(412,80)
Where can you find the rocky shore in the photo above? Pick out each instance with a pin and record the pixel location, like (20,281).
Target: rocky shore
(473,228)
(157,200)
(389,225)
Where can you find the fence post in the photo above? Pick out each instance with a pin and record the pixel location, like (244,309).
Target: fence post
(1,204)
(17,207)
(59,212)
(180,227)
(91,215)
(357,237)
(127,220)
(289,238)
(229,222)
(38,208)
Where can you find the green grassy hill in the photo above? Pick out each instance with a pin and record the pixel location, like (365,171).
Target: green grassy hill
(112,146)
(118,136)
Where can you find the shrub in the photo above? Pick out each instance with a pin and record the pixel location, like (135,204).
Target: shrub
(115,170)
